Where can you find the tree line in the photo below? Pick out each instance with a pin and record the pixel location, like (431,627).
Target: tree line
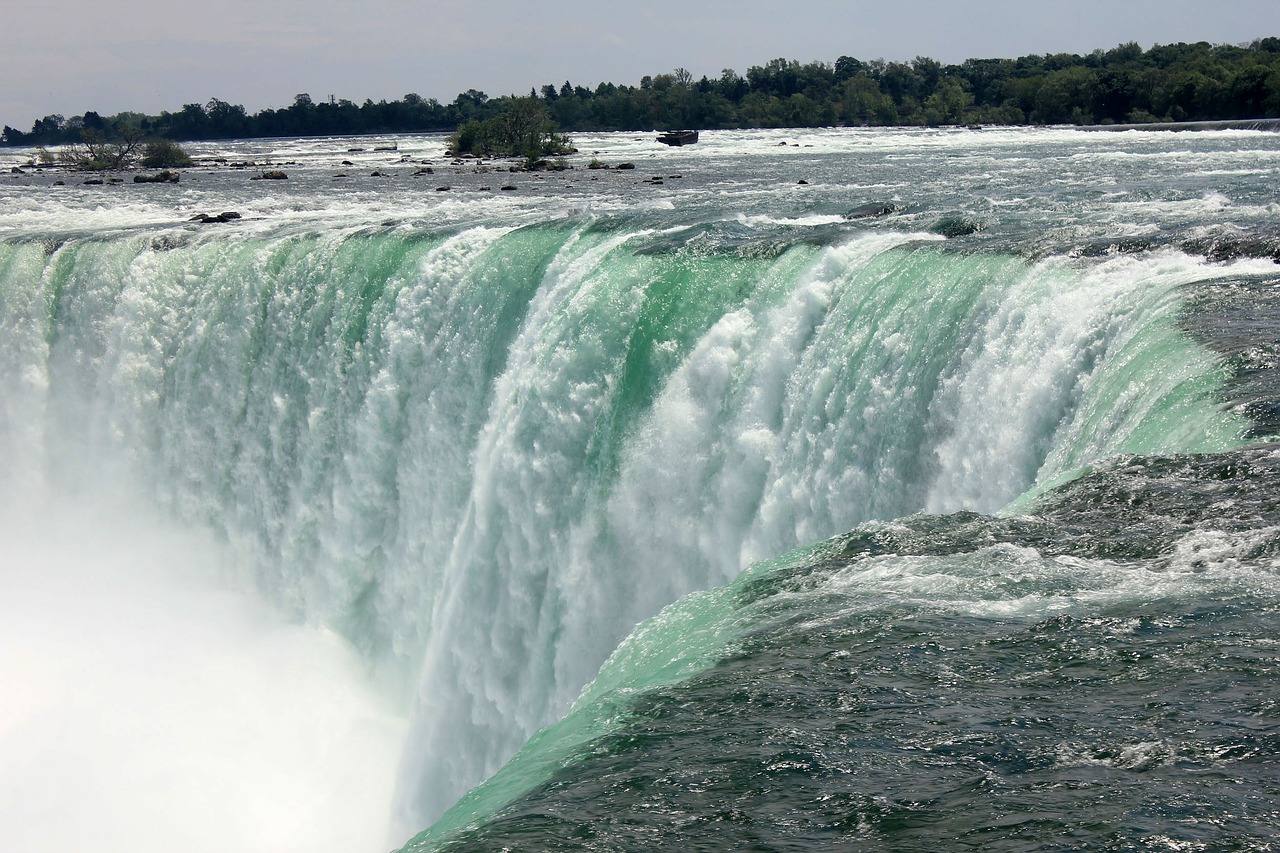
(1175,82)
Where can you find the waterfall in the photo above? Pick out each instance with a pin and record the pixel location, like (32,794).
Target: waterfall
(482,456)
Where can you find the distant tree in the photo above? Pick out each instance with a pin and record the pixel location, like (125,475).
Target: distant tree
(226,120)
(1182,81)
(947,104)
(846,67)
(96,152)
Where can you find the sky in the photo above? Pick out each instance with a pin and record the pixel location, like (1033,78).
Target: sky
(110,56)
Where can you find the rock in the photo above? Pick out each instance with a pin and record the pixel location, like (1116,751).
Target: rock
(802,182)
(957,226)
(91,182)
(347,163)
(443,189)
(164,177)
(875,208)
(270,175)
(626,166)
(509,187)
(205,218)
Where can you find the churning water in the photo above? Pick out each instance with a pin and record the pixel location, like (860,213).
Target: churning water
(318,519)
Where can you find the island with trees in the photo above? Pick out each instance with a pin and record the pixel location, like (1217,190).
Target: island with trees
(1124,85)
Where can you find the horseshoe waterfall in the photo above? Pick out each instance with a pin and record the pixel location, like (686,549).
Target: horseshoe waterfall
(869,490)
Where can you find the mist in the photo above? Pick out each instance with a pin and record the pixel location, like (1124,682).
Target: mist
(150,703)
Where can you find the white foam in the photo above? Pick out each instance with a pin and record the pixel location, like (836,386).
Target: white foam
(148,707)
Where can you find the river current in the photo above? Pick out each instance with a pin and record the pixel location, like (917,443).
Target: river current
(795,490)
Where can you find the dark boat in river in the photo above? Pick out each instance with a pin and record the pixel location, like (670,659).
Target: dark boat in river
(679,137)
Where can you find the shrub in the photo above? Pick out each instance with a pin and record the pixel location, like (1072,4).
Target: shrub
(163,153)
(97,153)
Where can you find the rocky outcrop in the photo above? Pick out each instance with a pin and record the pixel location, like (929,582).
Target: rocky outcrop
(957,225)
(164,177)
(205,218)
(875,208)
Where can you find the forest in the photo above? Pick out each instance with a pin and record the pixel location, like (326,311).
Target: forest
(1124,85)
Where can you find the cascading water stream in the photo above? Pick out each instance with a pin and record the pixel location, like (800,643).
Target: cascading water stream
(485,456)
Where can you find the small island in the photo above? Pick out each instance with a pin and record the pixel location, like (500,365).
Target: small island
(524,128)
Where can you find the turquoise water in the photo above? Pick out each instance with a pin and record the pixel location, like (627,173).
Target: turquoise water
(481,438)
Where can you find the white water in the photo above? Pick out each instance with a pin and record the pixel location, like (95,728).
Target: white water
(150,706)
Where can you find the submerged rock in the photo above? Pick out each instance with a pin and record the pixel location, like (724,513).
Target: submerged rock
(875,208)
(163,177)
(225,216)
(957,226)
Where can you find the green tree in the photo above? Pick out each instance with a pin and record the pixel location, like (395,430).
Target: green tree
(96,152)
(947,104)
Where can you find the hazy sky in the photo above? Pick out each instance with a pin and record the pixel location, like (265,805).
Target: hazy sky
(69,56)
